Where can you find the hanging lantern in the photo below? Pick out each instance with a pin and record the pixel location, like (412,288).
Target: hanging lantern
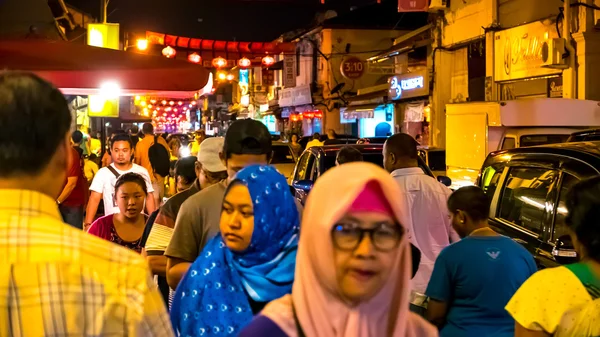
(180,103)
(318,114)
(268,61)
(171,103)
(194,58)
(244,63)
(219,62)
(169,52)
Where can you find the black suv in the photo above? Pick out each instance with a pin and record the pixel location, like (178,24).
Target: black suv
(318,159)
(527,187)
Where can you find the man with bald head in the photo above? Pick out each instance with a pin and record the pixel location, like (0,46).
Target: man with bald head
(424,200)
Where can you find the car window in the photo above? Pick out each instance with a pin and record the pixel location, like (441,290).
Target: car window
(301,169)
(490,178)
(509,143)
(560,227)
(524,197)
(375,158)
(310,167)
(282,155)
(437,160)
(533,140)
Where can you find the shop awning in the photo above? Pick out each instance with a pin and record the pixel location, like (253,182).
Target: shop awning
(359,111)
(416,39)
(79,69)
(380,94)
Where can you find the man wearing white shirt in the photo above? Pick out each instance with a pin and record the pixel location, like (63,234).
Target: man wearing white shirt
(424,200)
(103,185)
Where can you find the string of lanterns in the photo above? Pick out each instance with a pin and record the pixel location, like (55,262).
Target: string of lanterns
(219,62)
(295,117)
(153,106)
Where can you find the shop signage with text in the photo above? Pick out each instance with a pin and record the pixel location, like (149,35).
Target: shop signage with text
(518,51)
(352,68)
(414,84)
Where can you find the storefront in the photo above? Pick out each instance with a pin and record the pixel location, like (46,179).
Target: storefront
(304,119)
(522,67)
(410,94)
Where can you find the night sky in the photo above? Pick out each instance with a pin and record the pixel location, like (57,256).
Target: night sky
(241,20)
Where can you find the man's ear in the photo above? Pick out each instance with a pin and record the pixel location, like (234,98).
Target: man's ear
(392,158)
(270,157)
(223,159)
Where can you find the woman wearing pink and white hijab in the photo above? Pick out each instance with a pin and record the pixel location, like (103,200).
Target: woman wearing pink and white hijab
(353,266)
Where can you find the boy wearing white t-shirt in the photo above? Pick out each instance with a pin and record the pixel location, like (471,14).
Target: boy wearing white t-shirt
(103,185)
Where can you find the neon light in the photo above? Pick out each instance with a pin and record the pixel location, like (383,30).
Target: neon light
(397,86)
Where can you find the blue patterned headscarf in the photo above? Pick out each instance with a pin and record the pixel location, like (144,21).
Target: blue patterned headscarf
(211,299)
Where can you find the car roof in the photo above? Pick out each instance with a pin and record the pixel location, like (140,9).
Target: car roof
(331,150)
(580,150)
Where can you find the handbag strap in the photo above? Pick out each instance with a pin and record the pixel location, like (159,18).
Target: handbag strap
(112,169)
(298,326)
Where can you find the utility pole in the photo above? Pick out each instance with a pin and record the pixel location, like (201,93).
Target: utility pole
(103,9)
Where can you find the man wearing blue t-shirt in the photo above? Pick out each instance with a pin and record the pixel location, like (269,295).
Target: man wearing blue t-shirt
(473,279)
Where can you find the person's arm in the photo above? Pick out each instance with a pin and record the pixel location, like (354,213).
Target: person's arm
(176,269)
(521,331)
(183,248)
(158,264)
(69,187)
(138,154)
(436,312)
(439,290)
(150,204)
(92,208)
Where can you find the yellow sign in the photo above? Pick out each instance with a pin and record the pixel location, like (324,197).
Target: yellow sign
(518,51)
(103,35)
(102,106)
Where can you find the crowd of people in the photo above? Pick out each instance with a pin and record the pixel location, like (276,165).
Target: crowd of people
(375,251)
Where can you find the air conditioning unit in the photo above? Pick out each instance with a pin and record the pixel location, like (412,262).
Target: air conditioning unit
(438,5)
(554,54)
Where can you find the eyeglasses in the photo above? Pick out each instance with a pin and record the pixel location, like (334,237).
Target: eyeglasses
(348,236)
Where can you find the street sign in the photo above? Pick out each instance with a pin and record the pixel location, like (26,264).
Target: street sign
(352,68)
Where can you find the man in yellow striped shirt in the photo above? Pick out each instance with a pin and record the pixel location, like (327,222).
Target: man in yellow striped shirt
(56,280)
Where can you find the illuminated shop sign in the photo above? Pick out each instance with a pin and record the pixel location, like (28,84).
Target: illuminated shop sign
(407,86)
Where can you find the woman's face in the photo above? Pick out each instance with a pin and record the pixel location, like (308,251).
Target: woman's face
(237,218)
(294,139)
(130,198)
(362,272)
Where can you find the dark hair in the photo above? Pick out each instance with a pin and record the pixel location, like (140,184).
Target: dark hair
(135,130)
(148,128)
(471,200)
(348,154)
(186,168)
(92,157)
(77,136)
(131,177)
(35,118)
(316,135)
(402,145)
(247,137)
(583,206)
(121,137)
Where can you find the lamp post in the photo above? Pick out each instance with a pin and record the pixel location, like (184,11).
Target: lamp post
(103,10)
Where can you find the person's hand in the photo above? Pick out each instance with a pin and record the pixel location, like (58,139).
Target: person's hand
(86,227)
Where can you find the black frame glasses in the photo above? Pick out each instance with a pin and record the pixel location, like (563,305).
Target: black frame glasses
(381,239)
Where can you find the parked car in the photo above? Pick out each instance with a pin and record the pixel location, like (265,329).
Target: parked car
(318,159)
(284,159)
(585,136)
(435,158)
(528,186)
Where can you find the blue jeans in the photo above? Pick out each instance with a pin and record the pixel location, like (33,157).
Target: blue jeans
(73,215)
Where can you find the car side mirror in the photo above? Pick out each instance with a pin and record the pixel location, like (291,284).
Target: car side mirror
(445,180)
(304,185)
(564,251)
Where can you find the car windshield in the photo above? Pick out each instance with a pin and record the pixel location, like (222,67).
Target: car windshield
(437,160)
(282,155)
(533,140)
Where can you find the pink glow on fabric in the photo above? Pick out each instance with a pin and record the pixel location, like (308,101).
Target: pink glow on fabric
(372,199)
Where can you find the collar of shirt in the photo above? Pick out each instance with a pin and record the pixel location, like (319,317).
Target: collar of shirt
(411,171)
(28,202)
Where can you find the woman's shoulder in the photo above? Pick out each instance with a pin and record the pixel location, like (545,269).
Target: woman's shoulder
(418,326)
(101,225)
(262,326)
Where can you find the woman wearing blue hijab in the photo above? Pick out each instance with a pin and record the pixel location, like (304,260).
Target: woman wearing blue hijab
(250,264)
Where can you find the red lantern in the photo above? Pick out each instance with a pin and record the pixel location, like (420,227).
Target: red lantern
(244,63)
(219,62)
(268,61)
(194,58)
(169,52)
(318,114)
(309,115)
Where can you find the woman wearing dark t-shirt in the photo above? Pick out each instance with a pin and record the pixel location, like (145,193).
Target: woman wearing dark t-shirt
(125,228)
